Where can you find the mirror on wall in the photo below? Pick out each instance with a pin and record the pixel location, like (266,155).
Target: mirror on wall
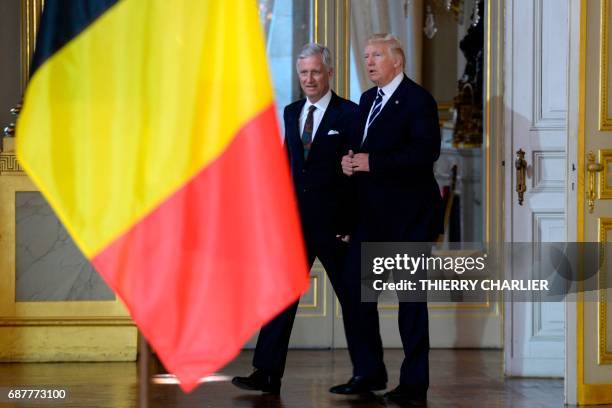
(444,45)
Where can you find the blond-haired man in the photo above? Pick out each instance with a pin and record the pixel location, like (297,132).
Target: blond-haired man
(394,145)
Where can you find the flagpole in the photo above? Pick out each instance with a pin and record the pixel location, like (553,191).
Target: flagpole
(143,371)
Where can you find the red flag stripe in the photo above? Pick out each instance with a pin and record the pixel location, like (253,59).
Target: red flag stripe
(204,249)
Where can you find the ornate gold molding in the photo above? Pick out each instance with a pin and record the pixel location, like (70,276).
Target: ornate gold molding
(605,122)
(604,225)
(9,166)
(331,27)
(318,307)
(488,309)
(315,297)
(605,190)
(67,321)
(30,16)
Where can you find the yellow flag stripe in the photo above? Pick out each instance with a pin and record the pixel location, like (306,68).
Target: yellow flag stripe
(134,106)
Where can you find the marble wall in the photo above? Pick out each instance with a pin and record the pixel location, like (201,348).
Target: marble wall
(49,267)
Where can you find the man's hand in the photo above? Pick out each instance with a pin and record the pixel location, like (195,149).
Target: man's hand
(347,163)
(361,162)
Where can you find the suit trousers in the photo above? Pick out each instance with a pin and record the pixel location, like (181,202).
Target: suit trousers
(363,331)
(273,341)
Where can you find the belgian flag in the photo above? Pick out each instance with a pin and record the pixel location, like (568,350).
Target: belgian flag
(149,126)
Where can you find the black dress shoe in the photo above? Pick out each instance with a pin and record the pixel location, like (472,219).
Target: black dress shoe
(259,381)
(359,385)
(404,398)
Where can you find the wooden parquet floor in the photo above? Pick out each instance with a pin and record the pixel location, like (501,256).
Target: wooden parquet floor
(459,378)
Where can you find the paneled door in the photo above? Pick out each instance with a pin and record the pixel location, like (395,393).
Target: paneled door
(535,97)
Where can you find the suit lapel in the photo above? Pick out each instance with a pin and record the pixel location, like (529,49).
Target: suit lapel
(293,131)
(396,100)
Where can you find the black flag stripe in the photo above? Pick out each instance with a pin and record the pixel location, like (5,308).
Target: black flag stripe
(61,21)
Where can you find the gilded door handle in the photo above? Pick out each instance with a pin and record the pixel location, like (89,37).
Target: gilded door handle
(592,169)
(521,168)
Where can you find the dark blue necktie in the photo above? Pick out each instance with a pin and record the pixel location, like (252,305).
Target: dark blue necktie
(377,106)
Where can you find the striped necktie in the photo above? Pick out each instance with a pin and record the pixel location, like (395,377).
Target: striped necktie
(307,132)
(377,106)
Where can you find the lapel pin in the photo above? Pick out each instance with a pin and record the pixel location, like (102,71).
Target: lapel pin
(396,102)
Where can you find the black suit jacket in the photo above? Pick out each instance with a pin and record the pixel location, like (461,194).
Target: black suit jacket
(399,199)
(321,188)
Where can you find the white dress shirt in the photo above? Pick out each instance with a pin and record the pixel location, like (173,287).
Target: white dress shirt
(388,90)
(317,115)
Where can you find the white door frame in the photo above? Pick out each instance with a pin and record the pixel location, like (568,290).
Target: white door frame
(526,352)
(571,208)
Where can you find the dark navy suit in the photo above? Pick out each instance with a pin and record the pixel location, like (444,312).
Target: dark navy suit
(397,200)
(322,194)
